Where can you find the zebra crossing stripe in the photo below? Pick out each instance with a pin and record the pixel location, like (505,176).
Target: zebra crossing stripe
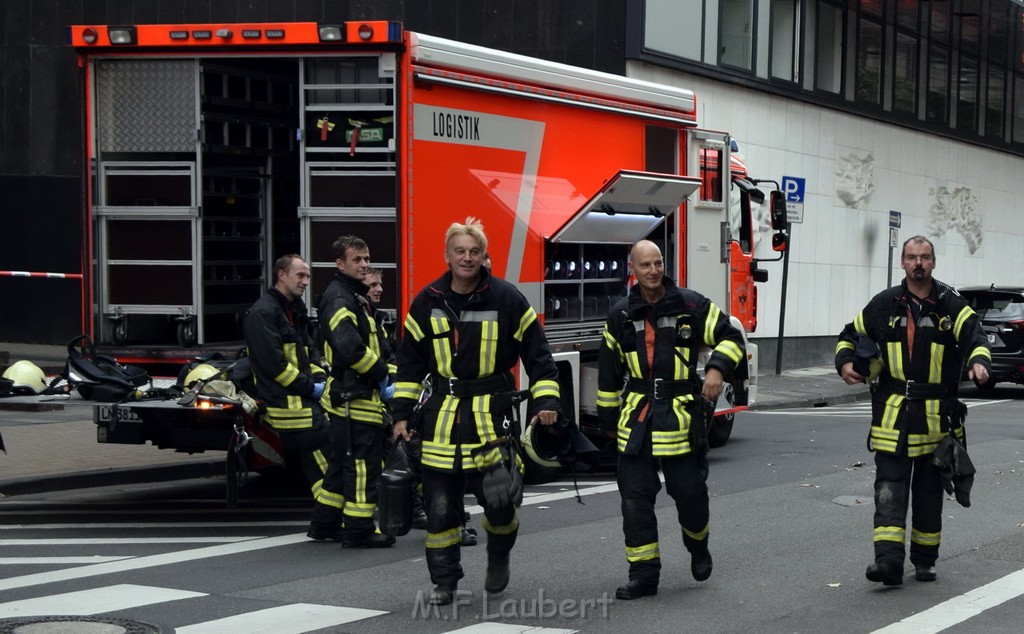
(86,541)
(138,563)
(508,628)
(88,559)
(95,601)
(286,619)
(958,609)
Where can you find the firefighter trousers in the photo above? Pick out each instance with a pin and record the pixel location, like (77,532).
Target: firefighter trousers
(316,450)
(898,481)
(443,494)
(358,468)
(685,481)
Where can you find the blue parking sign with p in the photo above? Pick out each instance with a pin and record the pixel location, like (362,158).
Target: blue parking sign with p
(793,188)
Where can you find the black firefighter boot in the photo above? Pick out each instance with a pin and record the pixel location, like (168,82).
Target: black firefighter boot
(445,571)
(643,580)
(636,588)
(326,523)
(497,572)
(361,533)
(700,560)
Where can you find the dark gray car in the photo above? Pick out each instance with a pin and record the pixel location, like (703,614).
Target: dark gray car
(1002,316)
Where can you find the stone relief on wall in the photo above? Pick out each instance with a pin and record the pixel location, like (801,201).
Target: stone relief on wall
(955,209)
(855,178)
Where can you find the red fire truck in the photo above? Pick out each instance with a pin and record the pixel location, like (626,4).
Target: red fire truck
(213,148)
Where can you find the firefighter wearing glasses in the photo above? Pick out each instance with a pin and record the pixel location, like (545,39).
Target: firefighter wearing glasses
(924,331)
(651,339)
(466,331)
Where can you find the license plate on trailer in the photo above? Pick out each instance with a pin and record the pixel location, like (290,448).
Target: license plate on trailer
(115,414)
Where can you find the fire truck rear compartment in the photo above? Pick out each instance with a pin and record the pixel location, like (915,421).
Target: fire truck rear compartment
(209,168)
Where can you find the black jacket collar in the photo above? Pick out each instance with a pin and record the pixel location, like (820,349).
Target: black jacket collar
(442,286)
(296,304)
(670,303)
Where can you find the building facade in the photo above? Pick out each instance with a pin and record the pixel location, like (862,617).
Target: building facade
(880,106)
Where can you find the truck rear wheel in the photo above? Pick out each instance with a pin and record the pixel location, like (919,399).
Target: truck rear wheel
(186,333)
(721,426)
(120,332)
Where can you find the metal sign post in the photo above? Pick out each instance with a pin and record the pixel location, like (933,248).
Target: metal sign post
(895,218)
(793,187)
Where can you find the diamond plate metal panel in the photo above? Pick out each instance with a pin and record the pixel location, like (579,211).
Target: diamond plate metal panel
(146,105)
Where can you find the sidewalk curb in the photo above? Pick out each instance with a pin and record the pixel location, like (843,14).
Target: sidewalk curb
(813,401)
(111,477)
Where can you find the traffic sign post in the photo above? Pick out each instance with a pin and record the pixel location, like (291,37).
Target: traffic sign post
(793,188)
(895,220)
(794,212)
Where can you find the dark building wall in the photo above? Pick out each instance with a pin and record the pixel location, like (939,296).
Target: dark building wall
(41,109)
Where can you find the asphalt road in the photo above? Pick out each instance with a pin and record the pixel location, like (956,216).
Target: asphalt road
(790,533)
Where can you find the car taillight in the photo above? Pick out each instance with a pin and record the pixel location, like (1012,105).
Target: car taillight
(1016,325)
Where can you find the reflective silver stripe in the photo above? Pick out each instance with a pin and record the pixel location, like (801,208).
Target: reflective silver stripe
(479,315)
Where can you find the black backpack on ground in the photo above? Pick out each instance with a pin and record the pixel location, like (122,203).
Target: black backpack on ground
(98,377)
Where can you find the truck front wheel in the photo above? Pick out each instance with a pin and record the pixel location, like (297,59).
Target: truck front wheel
(721,426)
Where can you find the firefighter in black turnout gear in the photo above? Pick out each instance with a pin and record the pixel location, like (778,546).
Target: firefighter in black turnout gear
(650,393)
(356,391)
(466,331)
(289,382)
(924,332)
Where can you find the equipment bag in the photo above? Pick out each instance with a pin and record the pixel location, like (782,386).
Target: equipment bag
(98,377)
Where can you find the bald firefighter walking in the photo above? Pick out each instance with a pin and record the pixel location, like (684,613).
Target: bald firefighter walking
(649,392)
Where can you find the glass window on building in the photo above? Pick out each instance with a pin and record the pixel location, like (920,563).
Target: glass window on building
(967,95)
(736,43)
(968,16)
(938,20)
(785,39)
(998,33)
(905,75)
(1018,109)
(994,102)
(869,62)
(907,14)
(675,27)
(869,7)
(828,61)
(937,102)
(1018,61)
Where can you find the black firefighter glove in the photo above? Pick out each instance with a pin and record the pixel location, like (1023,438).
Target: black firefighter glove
(700,424)
(956,469)
(497,481)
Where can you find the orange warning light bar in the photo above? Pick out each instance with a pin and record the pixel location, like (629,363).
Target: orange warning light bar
(241,34)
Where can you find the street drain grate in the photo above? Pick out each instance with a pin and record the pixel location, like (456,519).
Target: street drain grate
(74,625)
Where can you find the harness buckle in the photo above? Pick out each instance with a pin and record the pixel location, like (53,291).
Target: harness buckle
(657,384)
(451,385)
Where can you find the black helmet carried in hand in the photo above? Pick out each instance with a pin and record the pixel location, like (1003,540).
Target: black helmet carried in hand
(545,444)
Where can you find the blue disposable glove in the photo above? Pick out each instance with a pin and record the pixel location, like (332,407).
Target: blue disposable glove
(387,389)
(318,390)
